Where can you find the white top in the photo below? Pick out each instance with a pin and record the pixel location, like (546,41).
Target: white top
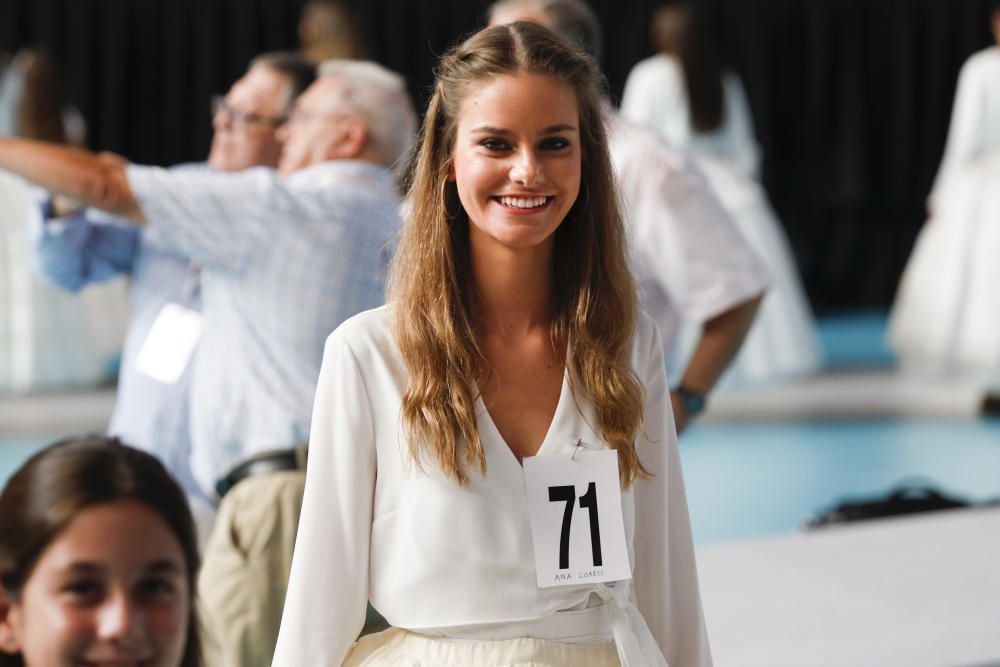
(691,262)
(446,560)
(655,96)
(974,132)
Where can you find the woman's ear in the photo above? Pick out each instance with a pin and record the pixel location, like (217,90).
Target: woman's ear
(451,171)
(10,621)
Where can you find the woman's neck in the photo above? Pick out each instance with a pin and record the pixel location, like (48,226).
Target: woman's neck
(513,289)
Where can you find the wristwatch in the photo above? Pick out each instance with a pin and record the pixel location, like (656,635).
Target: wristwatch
(693,401)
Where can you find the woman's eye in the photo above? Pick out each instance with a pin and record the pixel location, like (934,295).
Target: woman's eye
(495,145)
(555,143)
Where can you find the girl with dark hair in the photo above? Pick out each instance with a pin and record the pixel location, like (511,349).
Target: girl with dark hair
(685,95)
(458,431)
(98,559)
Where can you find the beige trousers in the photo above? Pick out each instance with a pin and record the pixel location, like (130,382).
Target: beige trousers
(246,565)
(399,648)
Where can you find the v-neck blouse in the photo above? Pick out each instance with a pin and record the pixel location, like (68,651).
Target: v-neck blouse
(457,561)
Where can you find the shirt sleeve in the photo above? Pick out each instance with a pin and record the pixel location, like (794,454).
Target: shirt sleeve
(328,586)
(666,578)
(686,242)
(213,218)
(83,249)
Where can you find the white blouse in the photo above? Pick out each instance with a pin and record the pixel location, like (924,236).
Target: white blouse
(455,561)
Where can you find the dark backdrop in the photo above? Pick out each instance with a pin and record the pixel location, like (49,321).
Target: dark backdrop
(851,98)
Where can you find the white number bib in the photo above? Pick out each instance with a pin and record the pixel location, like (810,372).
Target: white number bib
(169,344)
(575,509)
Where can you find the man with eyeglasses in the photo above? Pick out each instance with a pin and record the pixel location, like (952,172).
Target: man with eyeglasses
(76,248)
(285,257)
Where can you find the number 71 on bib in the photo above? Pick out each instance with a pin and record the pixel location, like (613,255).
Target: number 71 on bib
(575,510)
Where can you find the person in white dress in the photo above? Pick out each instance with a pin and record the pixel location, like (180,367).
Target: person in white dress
(511,343)
(48,339)
(687,98)
(946,316)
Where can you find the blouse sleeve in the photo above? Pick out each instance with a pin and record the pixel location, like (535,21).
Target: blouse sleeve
(665,574)
(328,586)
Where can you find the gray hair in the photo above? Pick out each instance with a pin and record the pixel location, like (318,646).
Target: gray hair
(379,97)
(573,20)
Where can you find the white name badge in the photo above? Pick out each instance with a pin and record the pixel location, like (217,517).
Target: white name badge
(169,344)
(575,510)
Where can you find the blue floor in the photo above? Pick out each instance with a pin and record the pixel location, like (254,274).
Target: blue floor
(856,339)
(754,480)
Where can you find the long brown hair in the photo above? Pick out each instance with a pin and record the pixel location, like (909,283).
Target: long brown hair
(679,30)
(44,495)
(430,285)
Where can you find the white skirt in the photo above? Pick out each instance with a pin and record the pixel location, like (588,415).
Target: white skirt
(399,648)
(946,316)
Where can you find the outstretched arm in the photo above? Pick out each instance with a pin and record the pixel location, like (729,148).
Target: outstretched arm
(94,179)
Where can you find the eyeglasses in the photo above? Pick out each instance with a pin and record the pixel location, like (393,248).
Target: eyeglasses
(244,118)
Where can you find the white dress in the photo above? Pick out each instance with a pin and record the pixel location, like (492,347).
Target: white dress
(49,338)
(946,317)
(783,340)
(456,562)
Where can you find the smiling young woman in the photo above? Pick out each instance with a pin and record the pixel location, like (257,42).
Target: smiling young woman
(511,341)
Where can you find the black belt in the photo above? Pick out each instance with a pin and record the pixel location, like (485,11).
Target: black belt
(285,459)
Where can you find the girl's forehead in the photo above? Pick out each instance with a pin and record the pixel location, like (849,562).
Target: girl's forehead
(114,535)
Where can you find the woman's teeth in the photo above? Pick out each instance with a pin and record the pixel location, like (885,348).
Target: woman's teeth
(523,202)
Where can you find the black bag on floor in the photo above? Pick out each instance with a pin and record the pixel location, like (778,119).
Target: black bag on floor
(905,498)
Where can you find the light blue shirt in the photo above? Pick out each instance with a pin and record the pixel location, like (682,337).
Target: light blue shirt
(285,259)
(91,248)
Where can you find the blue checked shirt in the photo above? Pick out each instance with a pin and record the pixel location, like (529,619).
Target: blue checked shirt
(91,248)
(285,259)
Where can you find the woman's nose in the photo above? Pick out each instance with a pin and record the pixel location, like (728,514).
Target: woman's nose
(526,170)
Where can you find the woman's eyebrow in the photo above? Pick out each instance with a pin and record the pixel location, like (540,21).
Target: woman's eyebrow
(551,129)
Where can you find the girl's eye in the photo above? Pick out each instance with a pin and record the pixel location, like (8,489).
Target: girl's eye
(555,143)
(83,591)
(494,145)
(157,588)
